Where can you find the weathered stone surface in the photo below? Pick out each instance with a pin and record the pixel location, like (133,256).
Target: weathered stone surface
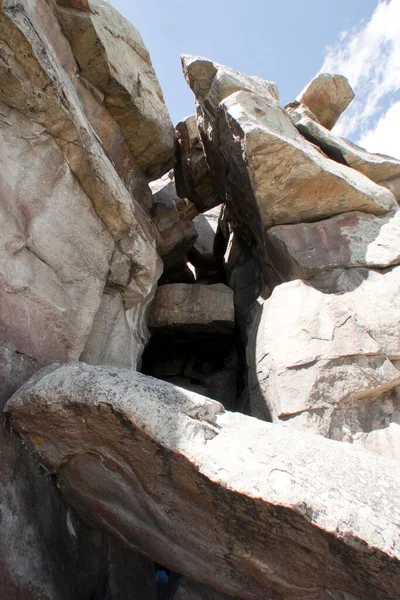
(290,180)
(353,239)
(327,96)
(192,307)
(381,169)
(192,173)
(373,298)
(112,56)
(52,271)
(41,81)
(46,551)
(385,441)
(202,253)
(118,337)
(314,354)
(178,234)
(211,82)
(302,516)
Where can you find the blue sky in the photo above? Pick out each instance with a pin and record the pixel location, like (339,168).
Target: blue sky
(288,42)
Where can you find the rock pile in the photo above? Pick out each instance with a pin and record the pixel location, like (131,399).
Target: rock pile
(218,299)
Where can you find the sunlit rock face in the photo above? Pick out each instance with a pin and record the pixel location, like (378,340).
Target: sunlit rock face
(169,472)
(246,260)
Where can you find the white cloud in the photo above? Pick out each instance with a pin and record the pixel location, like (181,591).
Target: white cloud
(369,56)
(385,137)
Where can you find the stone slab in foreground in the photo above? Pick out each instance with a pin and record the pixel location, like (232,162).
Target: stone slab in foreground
(250,508)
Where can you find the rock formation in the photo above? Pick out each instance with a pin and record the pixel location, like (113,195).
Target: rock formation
(219,299)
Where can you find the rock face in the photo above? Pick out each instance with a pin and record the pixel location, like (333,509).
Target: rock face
(250,256)
(354,239)
(193,176)
(381,169)
(178,233)
(193,307)
(112,58)
(327,96)
(78,259)
(122,445)
(322,360)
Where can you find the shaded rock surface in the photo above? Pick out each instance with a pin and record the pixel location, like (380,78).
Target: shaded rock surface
(173,221)
(130,451)
(192,307)
(327,96)
(354,239)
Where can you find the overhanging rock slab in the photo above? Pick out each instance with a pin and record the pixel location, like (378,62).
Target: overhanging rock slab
(253,509)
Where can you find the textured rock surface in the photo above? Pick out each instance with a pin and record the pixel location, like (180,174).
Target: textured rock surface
(192,307)
(206,225)
(73,219)
(327,96)
(193,176)
(290,180)
(353,239)
(381,169)
(52,272)
(316,356)
(178,233)
(304,517)
(190,590)
(113,58)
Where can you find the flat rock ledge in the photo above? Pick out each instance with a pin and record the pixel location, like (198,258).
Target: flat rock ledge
(254,509)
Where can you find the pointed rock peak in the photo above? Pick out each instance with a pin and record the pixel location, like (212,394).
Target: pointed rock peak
(327,96)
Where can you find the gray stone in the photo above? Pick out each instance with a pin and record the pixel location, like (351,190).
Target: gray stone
(202,253)
(169,472)
(353,239)
(177,232)
(192,308)
(313,353)
(192,173)
(113,58)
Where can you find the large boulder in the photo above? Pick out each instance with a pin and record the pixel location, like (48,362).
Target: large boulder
(353,239)
(190,308)
(112,56)
(289,180)
(74,222)
(320,359)
(327,96)
(250,508)
(381,169)
(264,169)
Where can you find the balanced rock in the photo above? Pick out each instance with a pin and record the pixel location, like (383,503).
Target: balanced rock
(192,308)
(170,473)
(327,96)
